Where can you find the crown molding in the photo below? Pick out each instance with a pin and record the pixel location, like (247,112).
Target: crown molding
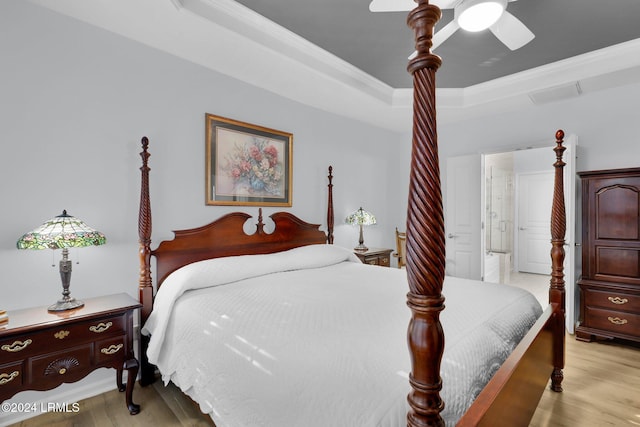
(601,69)
(259,52)
(239,18)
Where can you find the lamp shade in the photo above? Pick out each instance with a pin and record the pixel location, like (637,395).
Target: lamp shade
(361,217)
(478,15)
(63,231)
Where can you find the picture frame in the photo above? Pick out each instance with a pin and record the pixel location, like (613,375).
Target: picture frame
(247,164)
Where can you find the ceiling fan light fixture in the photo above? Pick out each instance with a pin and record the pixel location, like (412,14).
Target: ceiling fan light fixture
(478,15)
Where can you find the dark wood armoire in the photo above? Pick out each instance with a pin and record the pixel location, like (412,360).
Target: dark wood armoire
(610,281)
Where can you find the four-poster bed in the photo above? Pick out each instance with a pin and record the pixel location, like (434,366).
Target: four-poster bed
(513,391)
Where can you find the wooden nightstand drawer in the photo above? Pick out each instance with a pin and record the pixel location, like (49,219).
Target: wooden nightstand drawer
(110,350)
(374,260)
(612,300)
(615,321)
(11,377)
(376,256)
(65,335)
(105,327)
(382,261)
(63,366)
(16,347)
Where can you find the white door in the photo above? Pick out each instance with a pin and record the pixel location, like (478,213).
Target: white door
(463,216)
(534,195)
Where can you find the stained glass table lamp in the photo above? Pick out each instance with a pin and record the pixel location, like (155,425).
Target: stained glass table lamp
(62,232)
(361,217)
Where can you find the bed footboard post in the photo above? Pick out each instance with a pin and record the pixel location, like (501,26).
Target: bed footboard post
(556,288)
(425,231)
(145,286)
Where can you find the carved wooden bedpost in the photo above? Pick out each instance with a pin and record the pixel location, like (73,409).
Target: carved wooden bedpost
(330,217)
(145,287)
(556,288)
(425,230)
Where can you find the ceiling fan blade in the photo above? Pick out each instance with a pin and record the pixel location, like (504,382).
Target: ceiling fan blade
(406,5)
(511,31)
(446,32)
(391,5)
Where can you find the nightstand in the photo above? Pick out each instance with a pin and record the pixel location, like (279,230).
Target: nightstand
(376,256)
(39,350)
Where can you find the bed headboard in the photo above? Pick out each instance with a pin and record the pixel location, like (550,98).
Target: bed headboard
(226,237)
(220,238)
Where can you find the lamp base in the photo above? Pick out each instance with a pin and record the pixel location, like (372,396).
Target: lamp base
(361,247)
(66,303)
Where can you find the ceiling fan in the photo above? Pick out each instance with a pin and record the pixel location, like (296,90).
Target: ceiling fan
(470,15)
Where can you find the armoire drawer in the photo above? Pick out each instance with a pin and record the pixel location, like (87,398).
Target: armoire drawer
(612,300)
(619,322)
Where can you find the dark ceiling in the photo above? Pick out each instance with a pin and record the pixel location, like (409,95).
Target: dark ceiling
(379,43)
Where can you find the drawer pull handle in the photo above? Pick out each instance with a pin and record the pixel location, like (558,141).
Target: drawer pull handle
(112,349)
(7,378)
(100,327)
(617,320)
(61,334)
(61,366)
(16,346)
(618,300)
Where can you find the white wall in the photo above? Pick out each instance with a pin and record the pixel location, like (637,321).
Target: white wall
(75,102)
(606,123)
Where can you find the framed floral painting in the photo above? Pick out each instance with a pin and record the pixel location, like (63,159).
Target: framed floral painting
(247,164)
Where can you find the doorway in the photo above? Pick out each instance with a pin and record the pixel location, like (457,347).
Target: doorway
(518,193)
(499,217)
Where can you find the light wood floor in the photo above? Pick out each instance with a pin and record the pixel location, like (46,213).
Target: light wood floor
(160,407)
(601,388)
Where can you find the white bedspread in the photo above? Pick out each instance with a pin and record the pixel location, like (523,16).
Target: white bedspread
(312,337)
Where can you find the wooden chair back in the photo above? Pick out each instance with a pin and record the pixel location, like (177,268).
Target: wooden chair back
(401,248)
